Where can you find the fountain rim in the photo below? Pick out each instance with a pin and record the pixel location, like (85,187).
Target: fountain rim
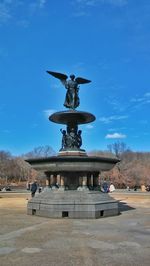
(72,158)
(67,117)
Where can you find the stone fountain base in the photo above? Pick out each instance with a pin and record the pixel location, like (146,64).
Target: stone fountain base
(72,204)
(74,176)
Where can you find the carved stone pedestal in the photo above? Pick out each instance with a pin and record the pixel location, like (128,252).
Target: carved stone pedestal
(73,204)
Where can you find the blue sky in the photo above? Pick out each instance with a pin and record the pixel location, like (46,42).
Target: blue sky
(106,41)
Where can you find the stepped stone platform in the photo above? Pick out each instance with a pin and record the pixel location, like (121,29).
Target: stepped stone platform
(72,204)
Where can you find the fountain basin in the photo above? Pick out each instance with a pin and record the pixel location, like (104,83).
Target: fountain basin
(73,163)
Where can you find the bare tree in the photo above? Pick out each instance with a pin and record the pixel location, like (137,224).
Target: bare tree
(118,148)
(5,159)
(100,153)
(41,151)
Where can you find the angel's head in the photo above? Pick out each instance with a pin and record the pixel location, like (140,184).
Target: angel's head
(72,76)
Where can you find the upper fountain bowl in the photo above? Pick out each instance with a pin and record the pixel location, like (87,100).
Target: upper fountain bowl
(68,117)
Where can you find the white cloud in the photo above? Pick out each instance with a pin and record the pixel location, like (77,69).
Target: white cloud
(84,7)
(49,112)
(80,14)
(8,8)
(109,119)
(6,131)
(89,126)
(96,2)
(116,104)
(81,7)
(36,5)
(87,2)
(23,23)
(116,129)
(5,14)
(147,94)
(144,122)
(116,2)
(42,3)
(115,136)
(139,101)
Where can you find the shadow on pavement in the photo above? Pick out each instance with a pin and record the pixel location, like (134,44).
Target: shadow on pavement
(123,207)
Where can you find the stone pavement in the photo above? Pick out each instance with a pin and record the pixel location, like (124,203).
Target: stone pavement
(114,241)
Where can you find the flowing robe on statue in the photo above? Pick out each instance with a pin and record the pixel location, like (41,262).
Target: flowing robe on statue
(72,99)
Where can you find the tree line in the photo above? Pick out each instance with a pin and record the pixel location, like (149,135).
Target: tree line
(132,170)
(16,170)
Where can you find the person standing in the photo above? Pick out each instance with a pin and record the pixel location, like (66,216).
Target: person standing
(105,187)
(111,188)
(33,188)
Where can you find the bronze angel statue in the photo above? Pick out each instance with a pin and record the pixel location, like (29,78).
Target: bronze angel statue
(72,100)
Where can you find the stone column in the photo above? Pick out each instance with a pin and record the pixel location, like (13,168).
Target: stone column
(99,178)
(96,180)
(62,183)
(79,188)
(53,179)
(48,182)
(84,181)
(80,181)
(58,180)
(84,184)
(90,180)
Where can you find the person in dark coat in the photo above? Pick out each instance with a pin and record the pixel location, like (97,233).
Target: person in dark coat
(33,188)
(105,187)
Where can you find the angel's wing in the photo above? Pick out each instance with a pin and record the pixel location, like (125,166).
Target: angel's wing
(82,80)
(57,75)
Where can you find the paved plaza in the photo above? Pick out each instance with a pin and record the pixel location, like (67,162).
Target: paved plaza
(122,240)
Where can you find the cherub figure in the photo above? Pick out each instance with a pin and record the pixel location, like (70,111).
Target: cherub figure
(64,137)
